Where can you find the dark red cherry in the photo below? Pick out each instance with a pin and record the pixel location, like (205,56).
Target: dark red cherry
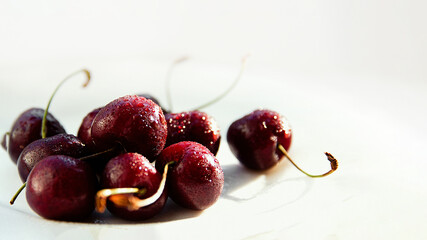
(98,159)
(32,124)
(61,144)
(84,132)
(149,96)
(152,98)
(27,128)
(193,126)
(254,138)
(137,123)
(62,188)
(196,179)
(132,170)
(260,139)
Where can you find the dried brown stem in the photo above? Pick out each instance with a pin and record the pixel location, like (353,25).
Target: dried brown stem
(332,160)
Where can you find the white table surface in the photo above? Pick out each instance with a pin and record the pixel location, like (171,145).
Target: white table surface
(350,77)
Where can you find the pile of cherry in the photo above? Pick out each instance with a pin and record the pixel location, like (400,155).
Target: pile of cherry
(131,155)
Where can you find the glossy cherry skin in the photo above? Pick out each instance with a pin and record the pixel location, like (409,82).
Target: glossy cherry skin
(84,132)
(193,126)
(137,123)
(62,188)
(60,144)
(133,170)
(196,178)
(27,128)
(85,135)
(152,98)
(254,138)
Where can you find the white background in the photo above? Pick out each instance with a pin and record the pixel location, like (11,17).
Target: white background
(350,76)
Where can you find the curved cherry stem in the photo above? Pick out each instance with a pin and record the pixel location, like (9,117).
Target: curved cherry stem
(88,157)
(102,195)
(227,91)
(12,201)
(332,160)
(120,197)
(168,79)
(44,128)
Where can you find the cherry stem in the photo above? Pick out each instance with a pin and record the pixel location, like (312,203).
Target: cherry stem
(226,92)
(102,195)
(44,128)
(120,197)
(88,157)
(12,201)
(85,158)
(169,76)
(332,160)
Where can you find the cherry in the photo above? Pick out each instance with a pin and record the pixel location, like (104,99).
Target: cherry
(193,126)
(138,124)
(255,137)
(84,132)
(196,178)
(260,139)
(149,96)
(51,146)
(98,160)
(36,123)
(152,98)
(126,180)
(62,188)
(28,128)
(61,144)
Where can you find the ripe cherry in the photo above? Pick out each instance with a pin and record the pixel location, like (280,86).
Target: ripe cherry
(193,126)
(28,128)
(196,178)
(255,137)
(84,132)
(152,98)
(260,139)
(36,123)
(62,188)
(129,181)
(138,124)
(98,159)
(61,144)
(49,147)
